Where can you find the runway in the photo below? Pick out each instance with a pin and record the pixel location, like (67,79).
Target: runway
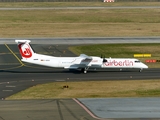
(15,77)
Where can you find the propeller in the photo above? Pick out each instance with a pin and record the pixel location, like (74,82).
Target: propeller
(103,57)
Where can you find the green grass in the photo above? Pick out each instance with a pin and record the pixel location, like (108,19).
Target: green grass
(81,16)
(92,89)
(66,4)
(79,23)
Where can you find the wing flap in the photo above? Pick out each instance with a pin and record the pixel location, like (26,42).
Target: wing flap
(69,67)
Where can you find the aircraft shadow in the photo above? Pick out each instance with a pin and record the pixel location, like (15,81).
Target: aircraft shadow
(18,71)
(65,71)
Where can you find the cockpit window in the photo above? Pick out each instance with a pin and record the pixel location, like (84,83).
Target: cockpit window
(137,61)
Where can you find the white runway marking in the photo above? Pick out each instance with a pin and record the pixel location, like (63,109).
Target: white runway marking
(7,90)
(11,86)
(60,80)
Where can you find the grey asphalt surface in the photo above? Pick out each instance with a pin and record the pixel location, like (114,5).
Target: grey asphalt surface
(14,78)
(92,7)
(54,109)
(124,108)
(85,40)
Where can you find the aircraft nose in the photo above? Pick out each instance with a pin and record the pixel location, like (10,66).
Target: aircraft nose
(145,66)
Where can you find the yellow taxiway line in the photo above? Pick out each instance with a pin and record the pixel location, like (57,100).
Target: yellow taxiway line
(14,55)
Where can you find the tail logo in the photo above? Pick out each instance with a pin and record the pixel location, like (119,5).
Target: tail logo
(25,50)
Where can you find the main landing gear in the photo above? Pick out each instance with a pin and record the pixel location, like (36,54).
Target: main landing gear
(84,70)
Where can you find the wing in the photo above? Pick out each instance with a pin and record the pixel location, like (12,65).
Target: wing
(85,60)
(85,57)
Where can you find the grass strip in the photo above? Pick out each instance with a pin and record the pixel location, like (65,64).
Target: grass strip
(74,4)
(92,89)
(80,23)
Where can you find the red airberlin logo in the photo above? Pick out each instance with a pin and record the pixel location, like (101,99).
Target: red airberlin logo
(25,50)
(118,63)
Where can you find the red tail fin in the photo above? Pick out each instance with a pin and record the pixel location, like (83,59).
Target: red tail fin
(25,48)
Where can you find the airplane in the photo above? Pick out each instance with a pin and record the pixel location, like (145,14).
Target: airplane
(82,62)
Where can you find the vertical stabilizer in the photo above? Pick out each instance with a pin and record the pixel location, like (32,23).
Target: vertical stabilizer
(25,49)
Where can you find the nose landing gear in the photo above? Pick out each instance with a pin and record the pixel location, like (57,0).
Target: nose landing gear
(140,70)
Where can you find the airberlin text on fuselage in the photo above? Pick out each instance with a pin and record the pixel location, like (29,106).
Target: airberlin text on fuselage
(118,63)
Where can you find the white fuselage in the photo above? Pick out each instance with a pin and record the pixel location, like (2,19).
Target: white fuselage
(79,62)
(83,62)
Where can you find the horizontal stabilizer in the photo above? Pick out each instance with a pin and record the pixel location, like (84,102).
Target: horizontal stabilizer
(22,41)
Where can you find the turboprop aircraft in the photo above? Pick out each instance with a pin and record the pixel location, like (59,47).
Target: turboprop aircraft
(82,62)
